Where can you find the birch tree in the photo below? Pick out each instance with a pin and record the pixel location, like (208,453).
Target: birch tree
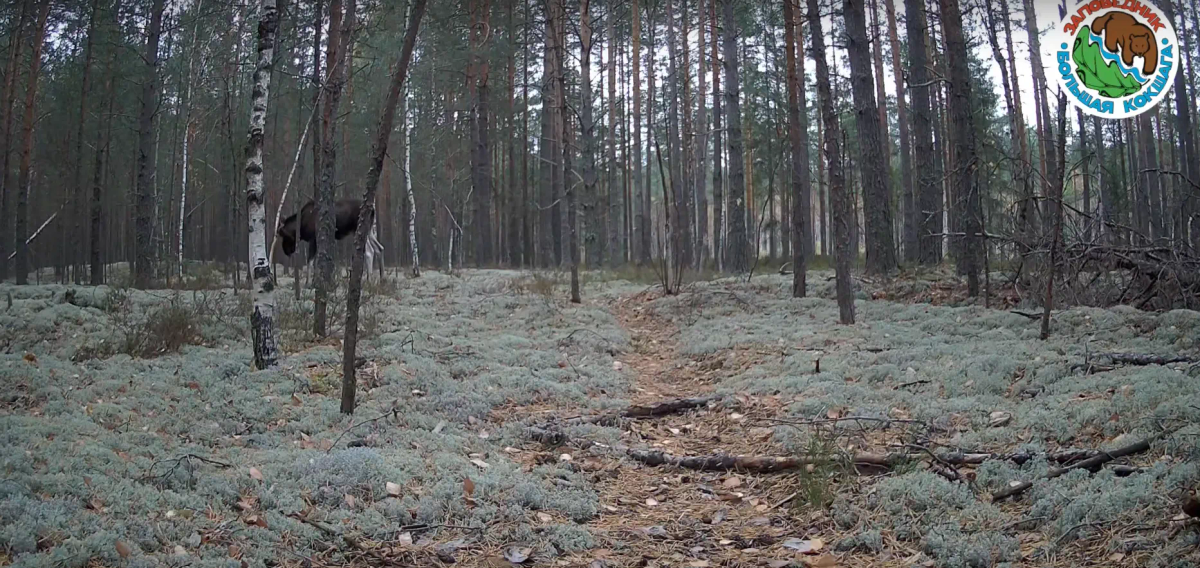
(262,318)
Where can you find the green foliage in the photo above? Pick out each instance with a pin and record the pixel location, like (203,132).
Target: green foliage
(1096,73)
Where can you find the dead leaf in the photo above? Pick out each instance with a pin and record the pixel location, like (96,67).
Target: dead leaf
(544,517)
(732,482)
(483,435)
(256,520)
(193,385)
(822,561)
(778,563)
(698,564)
(296,400)
(468,486)
(350,500)
(180,550)
(235,551)
(123,549)
(804,546)
(31,358)
(651,502)
(393,489)
(482,464)
(256,474)
(517,554)
(1116,557)
(999,418)
(406,539)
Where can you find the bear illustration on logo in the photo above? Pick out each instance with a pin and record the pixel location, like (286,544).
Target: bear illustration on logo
(1115,58)
(1129,37)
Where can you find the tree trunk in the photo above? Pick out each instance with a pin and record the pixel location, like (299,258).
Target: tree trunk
(144,225)
(718,192)
(738,246)
(16,41)
(1087,176)
(651,140)
(481,157)
(881,249)
(1187,145)
(262,318)
(963,151)
(701,142)
(640,188)
(548,156)
(102,140)
(908,198)
(569,190)
(336,60)
(366,212)
(833,156)
(76,254)
(24,175)
(798,135)
(614,180)
(1150,198)
(318,85)
(587,131)
(1041,91)
(928,196)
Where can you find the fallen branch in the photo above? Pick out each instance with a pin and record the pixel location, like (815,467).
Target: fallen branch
(668,407)
(1067,457)
(754,464)
(720,462)
(664,408)
(816,421)
(1092,462)
(1142,359)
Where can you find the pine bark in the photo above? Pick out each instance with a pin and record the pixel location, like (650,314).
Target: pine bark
(337,60)
(614,192)
(837,183)
(16,40)
(738,247)
(718,183)
(481,156)
(102,140)
(928,195)
(366,212)
(24,179)
(701,143)
(1041,92)
(144,190)
(640,188)
(963,151)
(881,249)
(908,198)
(77,185)
(587,131)
(262,318)
(1187,151)
(798,135)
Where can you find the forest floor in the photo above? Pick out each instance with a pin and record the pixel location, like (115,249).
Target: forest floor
(499,425)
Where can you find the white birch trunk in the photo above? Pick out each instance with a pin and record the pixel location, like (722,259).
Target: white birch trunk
(187,123)
(412,202)
(262,319)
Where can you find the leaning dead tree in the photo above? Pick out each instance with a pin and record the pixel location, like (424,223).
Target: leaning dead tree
(366,213)
(262,318)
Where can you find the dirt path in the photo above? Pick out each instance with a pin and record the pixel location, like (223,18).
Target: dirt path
(667,516)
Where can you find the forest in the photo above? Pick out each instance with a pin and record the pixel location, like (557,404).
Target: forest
(599,283)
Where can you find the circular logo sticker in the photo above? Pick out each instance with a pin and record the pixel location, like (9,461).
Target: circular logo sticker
(1115,58)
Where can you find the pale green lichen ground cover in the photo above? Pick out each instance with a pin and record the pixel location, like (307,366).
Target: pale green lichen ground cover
(89,435)
(976,362)
(88,447)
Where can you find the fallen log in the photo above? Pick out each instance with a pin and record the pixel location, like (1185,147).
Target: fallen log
(1093,462)
(668,407)
(1067,457)
(1143,359)
(721,462)
(756,464)
(665,408)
